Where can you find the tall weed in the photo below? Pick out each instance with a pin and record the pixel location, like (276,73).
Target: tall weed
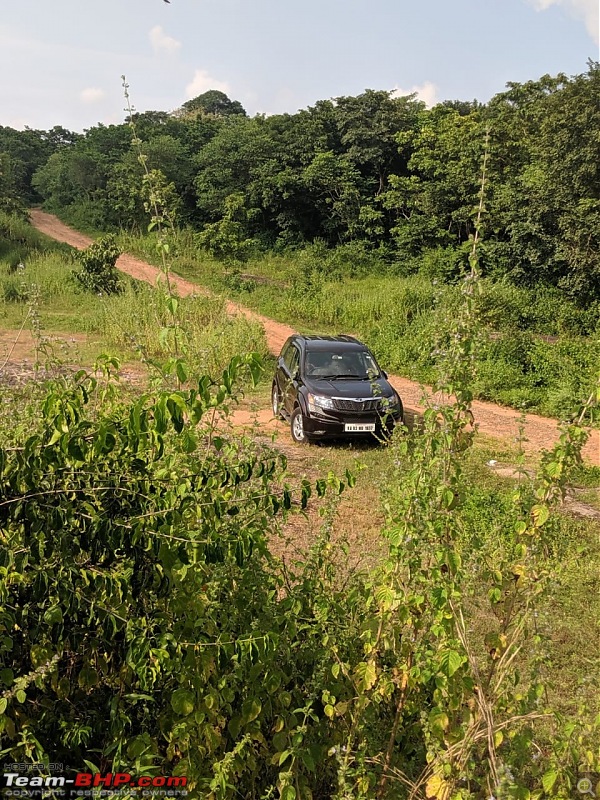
(136,318)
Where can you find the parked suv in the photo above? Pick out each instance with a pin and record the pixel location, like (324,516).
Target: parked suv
(331,387)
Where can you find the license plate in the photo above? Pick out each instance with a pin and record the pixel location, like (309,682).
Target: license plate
(358,427)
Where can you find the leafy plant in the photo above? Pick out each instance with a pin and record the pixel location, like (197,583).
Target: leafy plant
(117,532)
(98,272)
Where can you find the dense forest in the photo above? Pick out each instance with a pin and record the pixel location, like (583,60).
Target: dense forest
(391,180)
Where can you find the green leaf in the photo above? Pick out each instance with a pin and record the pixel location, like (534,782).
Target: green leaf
(450,661)
(3,704)
(385,596)
(181,371)
(520,527)
(7,677)
(366,675)
(250,710)
(53,615)
(88,677)
(189,442)
(288,793)
(549,779)
(182,702)
(40,654)
(540,514)
(439,721)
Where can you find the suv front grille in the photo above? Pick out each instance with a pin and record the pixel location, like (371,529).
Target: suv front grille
(344,404)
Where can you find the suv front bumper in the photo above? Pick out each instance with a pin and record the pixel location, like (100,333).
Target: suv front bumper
(326,425)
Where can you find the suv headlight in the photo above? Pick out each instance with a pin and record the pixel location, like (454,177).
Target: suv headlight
(389,403)
(317,402)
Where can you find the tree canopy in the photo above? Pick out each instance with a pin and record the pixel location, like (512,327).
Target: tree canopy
(377,169)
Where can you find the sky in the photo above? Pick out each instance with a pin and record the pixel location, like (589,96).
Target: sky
(61,61)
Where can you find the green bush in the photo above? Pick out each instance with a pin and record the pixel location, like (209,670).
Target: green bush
(543,310)
(15,291)
(98,272)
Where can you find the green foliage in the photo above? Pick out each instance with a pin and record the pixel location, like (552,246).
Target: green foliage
(146,625)
(226,239)
(381,170)
(212,102)
(153,614)
(98,272)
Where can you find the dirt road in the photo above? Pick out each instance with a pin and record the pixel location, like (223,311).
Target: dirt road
(492,420)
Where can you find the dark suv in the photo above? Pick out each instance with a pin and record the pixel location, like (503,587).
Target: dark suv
(331,387)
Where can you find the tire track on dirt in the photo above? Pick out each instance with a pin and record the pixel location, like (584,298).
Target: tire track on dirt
(492,420)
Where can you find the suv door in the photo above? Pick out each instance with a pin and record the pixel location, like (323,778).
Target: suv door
(291,372)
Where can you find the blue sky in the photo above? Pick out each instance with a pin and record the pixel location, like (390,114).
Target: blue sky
(61,60)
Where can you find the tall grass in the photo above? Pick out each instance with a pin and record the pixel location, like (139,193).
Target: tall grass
(136,318)
(35,270)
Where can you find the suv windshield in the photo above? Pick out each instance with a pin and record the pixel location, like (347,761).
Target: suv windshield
(332,365)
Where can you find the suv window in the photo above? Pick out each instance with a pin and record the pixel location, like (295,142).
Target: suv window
(285,352)
(292,360)
(350,363)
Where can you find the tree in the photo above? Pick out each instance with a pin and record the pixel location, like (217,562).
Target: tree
(232,162)
(433,204)
(214,103)
(98,272)
(368,125)
(227,239)
(27,151)
(9,199)
(545,183)
(333,181)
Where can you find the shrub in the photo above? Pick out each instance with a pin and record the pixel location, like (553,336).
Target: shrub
(15,291)
(98,272)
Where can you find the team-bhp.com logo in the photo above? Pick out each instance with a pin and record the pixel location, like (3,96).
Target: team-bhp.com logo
(17,785)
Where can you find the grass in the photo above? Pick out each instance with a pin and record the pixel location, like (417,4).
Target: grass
(537,352)
(37,288)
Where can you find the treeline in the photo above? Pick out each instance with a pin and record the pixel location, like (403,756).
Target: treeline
(383,174)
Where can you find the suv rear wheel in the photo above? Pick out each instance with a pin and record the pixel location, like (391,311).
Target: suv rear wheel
(297,427)
(275,402)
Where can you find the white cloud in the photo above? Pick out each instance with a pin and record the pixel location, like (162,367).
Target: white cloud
(203,82)
(586,10)
(427,92)
(92,95)
(161,42)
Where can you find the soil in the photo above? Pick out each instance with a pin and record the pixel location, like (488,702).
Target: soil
(492,420)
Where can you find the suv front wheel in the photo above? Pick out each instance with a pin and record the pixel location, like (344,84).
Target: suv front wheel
(297,427)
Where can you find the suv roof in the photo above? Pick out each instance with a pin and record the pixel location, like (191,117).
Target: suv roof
(325,342)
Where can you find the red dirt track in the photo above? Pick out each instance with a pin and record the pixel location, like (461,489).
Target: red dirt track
(492,420)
